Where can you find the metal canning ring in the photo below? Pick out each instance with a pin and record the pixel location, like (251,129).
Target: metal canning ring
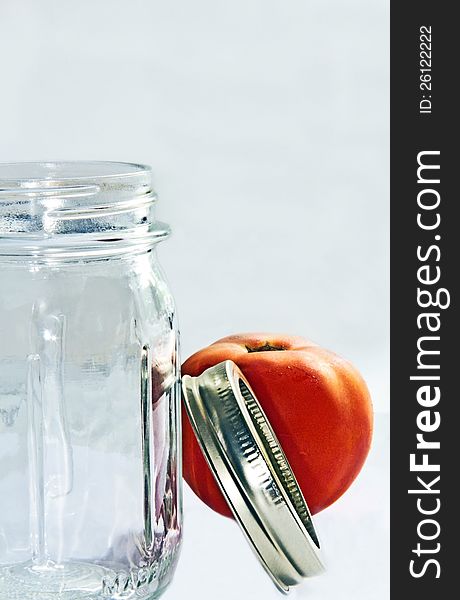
(253,472)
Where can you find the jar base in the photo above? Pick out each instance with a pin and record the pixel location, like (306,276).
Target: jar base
(84,581)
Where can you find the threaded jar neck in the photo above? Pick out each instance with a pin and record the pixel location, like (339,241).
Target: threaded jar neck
(76,208)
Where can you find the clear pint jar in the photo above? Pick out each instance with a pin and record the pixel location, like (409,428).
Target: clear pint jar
(90,480)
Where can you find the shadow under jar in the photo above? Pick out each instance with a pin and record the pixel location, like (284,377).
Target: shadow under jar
(90,479)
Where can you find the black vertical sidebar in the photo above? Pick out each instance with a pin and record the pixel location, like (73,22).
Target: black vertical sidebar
(425,332)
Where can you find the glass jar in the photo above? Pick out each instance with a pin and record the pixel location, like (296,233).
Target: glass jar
(90,479)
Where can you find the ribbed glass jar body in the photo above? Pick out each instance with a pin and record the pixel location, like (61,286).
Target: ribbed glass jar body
(90,481)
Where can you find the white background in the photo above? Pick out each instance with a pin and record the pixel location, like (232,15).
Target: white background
(266,123)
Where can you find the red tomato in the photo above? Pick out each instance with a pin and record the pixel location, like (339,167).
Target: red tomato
(318,406)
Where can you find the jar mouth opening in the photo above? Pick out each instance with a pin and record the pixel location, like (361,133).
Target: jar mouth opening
(28,174)
(44,205)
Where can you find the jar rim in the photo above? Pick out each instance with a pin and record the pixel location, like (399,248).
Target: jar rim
(63,205)
(20,173)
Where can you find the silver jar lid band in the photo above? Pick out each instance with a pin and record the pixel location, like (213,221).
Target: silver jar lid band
(253,473)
